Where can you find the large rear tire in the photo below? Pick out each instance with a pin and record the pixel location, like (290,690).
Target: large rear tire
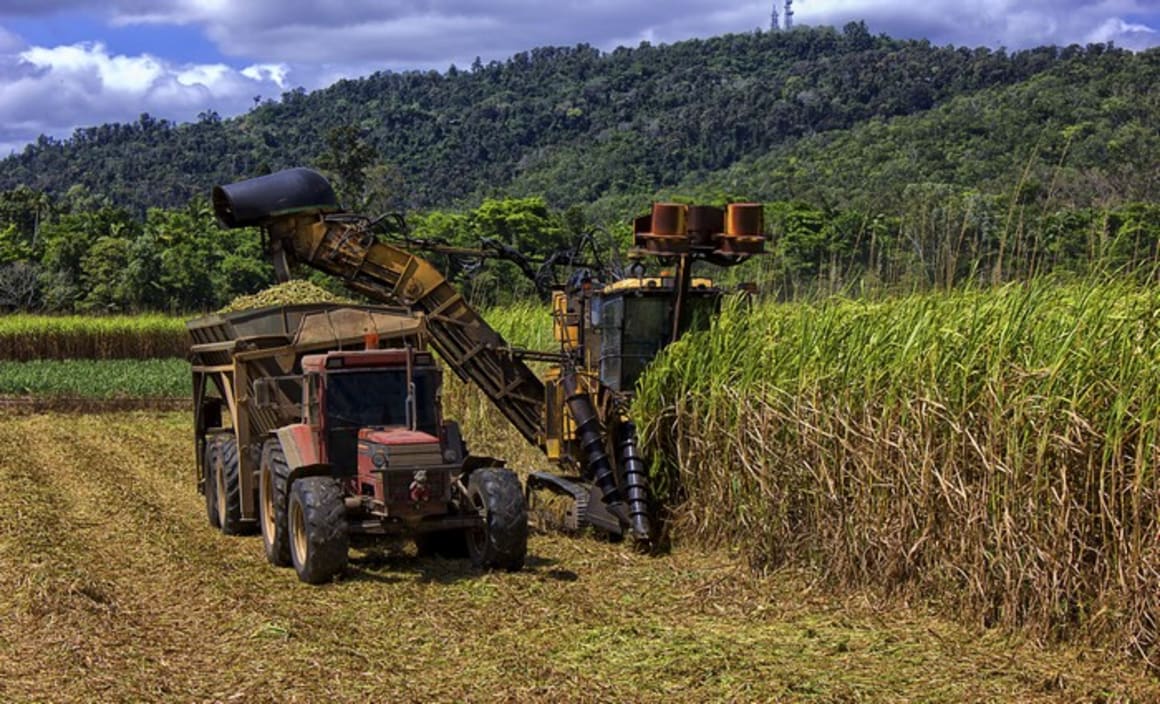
(319,540)
(274,476)
(227,484)
(502,542)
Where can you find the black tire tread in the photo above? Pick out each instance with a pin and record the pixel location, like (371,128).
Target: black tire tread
(505,544)
(226,448)
(328,539)
(209,483)
(278,547)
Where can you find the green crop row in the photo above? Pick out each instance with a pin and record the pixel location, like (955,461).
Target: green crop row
(36,337)
(97,379)
(30,337)
(524,325)
(994,450)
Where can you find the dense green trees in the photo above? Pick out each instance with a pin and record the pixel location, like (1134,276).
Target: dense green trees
(1081,134)
(569,123)
(106,260)
(178,260)
(886,164)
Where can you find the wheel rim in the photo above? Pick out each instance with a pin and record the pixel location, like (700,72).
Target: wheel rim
(220,482)
(298,532)
(478,536)
(267,495)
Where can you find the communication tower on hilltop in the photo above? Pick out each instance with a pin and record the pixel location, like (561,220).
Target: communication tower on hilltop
(789,14)
(773,23)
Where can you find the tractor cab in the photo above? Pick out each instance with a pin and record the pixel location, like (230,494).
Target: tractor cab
(377,418)
(621,327)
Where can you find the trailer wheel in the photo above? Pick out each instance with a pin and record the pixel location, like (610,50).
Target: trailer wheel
(273,479)
(227,485)
(209,484)
(319,540)
(502,542)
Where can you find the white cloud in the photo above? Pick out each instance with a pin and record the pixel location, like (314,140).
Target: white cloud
(52,90)
(1126,34)
(267,72)
(424,33)
(1015,24)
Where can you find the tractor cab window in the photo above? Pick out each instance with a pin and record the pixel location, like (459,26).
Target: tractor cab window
(702,308)
(310,398)
(635,328)
(375,399)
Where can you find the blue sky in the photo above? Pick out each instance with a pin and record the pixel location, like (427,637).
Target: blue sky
(71,63)
(178,43)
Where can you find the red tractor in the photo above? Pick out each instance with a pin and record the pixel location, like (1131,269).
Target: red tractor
(322,448)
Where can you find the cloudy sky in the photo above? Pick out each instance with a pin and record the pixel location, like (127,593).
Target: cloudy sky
(68,63)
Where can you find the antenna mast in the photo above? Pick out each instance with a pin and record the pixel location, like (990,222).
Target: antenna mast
(774,25)
(789,14)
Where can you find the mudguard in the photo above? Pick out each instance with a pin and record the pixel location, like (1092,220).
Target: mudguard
(299,445)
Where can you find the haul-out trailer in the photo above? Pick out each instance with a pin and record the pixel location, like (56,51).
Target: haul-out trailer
(607,330)
(321,425)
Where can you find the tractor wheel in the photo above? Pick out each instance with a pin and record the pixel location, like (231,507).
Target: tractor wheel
(319,540)
(227,485)
(443,543)
(502,542)
(209,484)
(273,479)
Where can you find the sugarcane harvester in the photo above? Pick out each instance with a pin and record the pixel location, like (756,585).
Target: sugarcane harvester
(608,331)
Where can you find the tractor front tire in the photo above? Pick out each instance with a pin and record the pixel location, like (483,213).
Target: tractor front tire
(227,484)
(502,541)
(319,540)
(273,482)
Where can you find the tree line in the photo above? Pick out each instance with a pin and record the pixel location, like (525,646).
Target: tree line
(77,254)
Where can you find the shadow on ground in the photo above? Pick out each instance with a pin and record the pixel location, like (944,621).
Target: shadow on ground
(392,566)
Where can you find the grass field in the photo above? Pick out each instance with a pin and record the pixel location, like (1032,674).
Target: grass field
(114,588)
(96,378)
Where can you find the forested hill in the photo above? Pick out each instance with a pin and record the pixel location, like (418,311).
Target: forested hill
(1086,132)
(627,122)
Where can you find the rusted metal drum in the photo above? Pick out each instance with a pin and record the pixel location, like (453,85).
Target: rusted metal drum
(744,229)
(705,225)
(665,231)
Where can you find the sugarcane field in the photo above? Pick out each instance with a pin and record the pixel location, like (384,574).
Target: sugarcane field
(351,353)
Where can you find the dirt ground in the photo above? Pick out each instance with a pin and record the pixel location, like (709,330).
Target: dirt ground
(114,588)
